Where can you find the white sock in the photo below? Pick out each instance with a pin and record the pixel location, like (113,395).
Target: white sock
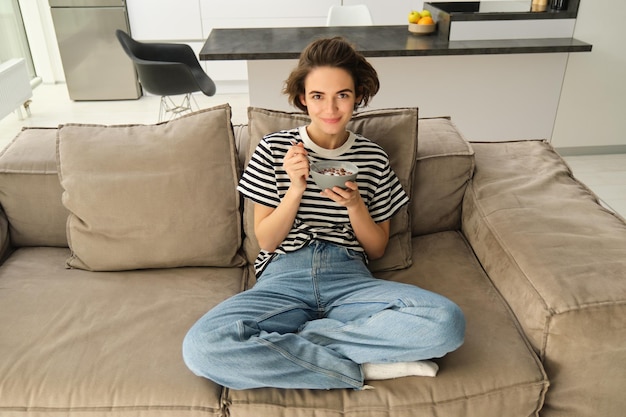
(376,371)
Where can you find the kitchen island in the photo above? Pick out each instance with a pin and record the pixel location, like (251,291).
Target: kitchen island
(496,89)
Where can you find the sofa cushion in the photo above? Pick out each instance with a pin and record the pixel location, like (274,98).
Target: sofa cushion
(151,196)
(77,343)
(30,192)
(393,129)
(445,164)
(495,373)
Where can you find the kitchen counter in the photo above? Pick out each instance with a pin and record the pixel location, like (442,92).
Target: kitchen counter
(493,88)
(372,41)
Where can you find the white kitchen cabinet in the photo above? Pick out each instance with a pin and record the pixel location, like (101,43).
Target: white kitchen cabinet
(389,12)
(169,20)
(267,13)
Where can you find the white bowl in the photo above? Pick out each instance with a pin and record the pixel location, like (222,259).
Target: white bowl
(326,180)
(422,29)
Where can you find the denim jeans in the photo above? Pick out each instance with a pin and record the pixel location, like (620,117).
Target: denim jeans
(312,318)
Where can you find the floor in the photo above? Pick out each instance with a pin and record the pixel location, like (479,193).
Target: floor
(51,106)
(605,175)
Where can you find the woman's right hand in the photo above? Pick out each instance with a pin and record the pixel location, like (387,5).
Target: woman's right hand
(296,164)
(272,224)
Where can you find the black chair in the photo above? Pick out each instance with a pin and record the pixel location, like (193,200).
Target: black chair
(167,69)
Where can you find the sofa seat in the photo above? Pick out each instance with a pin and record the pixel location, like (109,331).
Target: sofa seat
(83,343)
(495,373)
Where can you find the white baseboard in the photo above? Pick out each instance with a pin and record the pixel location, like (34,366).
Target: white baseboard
(591,150)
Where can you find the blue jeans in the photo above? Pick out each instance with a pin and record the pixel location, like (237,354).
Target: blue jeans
(312,318)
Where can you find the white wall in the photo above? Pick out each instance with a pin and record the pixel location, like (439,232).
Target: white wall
(592,109)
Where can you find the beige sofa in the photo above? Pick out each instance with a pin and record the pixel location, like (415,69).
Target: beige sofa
(114,240)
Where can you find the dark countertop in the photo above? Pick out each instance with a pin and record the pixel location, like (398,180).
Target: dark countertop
(372,41)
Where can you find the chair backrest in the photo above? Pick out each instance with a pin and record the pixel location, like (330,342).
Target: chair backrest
(158,74)
(356,15)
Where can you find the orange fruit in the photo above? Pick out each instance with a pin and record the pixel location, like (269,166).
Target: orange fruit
(426,20)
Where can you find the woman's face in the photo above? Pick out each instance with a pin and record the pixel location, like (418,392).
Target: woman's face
(330,98)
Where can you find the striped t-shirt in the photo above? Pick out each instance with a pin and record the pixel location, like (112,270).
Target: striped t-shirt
(265,182)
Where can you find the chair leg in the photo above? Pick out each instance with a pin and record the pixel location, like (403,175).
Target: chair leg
(168,107)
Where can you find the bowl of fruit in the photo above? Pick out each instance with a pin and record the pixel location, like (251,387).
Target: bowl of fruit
(421,23)
(329,174)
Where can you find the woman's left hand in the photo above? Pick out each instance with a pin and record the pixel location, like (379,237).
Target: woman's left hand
(348,197)
(373,237)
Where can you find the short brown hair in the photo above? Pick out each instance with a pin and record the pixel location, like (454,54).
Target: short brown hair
(337,53)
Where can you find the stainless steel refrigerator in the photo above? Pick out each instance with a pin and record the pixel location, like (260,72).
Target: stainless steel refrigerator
(94,63)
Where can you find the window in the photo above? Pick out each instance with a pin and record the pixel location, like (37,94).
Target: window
(14,41)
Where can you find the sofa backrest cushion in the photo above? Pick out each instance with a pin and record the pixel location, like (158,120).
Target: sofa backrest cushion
(445,164)
(152,196)
(394,129)
(30,193)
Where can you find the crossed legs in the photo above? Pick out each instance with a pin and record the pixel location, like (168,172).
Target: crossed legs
(313,319)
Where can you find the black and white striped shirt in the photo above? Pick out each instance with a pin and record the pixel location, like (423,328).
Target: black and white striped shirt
(265,182)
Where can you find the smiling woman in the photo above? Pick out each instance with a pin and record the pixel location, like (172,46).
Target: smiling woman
(317,317)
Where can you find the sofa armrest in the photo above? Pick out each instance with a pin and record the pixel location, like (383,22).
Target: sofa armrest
(30,192)
(558,258)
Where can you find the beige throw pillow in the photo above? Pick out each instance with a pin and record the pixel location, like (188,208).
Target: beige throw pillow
(151,196)
(393,129)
